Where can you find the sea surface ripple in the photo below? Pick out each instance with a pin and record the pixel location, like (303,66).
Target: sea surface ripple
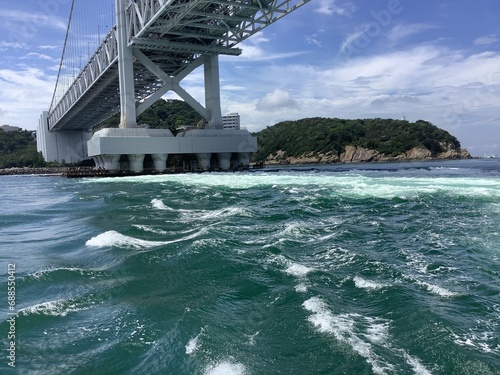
(362,269)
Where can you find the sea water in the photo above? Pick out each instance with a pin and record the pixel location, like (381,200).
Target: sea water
(344,269)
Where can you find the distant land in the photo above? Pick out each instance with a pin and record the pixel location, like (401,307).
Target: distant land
(18,149)
(333,140)
(305,141)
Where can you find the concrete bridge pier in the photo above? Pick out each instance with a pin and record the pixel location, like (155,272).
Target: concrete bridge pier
(244,158)
(99,162)
(136,162)
(111,162)
(204,160)
(160,162)
(224,160)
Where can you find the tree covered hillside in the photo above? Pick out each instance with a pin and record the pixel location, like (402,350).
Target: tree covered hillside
(164,114)
(18,149)
(323,135)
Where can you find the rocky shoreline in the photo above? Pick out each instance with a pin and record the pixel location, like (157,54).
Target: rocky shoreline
(52,171)
(356,154)
(352,154)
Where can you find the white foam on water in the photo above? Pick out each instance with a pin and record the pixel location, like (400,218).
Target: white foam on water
(326,237)
(292,229)
(298,270)
(147,228)
(361,283)
(112,238)
(193,344)
(159,205)
(301,288)
(342,328)
(377,332)
(251,338)
(227,367)
(437,290)
(53,308)
(201,215)
(483,337)
(417,366)
(291,268)
(41,273)
(351,184)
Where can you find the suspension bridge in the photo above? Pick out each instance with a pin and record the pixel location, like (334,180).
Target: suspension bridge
(121,56)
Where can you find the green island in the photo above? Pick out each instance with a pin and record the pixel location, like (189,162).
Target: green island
(309,140)
(18,149)
(333,140)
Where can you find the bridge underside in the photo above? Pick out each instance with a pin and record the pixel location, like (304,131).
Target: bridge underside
(152,48)
(173,35)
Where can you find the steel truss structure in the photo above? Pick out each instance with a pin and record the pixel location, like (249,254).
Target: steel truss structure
(169,39)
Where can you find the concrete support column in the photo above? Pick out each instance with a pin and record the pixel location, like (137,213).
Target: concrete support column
(111,162)
(212,92)
(136,162)
(125,69)
(224,160)
(204,160)
(244,159)
(160,162)
(99,162)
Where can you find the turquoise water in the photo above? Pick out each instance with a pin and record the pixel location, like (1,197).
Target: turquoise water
(366,269)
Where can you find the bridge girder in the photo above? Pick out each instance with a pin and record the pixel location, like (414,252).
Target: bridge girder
(171,34)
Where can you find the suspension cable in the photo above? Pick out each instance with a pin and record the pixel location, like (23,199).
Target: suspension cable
(62,57)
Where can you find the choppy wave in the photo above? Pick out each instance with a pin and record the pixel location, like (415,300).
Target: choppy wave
(226,367)
(386,271)
(352,184)
(342,327)
(158,204)
(56,308)
(438,290)
(365,335)
(367,284)
(113,238)
(51,271)
(193,344)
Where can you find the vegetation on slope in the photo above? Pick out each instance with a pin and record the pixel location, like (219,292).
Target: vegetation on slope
(18,149)
(164,114)
(323,135)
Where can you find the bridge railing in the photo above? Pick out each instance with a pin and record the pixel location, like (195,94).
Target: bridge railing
(105,55)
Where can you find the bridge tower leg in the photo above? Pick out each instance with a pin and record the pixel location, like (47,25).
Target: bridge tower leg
(108,145)
(212,91)
(125,70)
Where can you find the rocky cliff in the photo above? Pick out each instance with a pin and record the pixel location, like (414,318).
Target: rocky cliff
(357,154)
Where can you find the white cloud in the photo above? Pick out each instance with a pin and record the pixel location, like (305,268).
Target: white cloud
(24,94)
(252,51)
(35,55)
(356,41)
(486,39)
(313,40)
(4,46)
(403,31)
(455,91)
(330,7)
(49,47)
(276,99)
(32,20)
(352,38)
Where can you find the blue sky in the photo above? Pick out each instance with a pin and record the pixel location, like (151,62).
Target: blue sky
(427,59)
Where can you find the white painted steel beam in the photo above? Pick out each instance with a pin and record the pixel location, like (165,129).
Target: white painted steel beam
(170,33)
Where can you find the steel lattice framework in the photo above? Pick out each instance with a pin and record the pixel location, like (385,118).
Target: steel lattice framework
(171,34)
